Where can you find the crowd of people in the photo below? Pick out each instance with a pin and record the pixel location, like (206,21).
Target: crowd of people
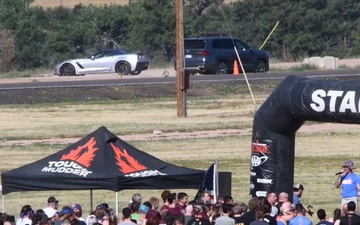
(176,209)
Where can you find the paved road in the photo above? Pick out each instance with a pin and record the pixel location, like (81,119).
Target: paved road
(87,80)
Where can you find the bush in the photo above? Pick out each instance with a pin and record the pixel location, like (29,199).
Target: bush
(7,50)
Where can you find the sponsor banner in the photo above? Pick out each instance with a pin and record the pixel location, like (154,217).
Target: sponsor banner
(335,101)
(66,167)
(263,167)
(78,162)
(261,193)
(146,173)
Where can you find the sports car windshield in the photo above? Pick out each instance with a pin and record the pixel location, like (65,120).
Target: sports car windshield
(110,53)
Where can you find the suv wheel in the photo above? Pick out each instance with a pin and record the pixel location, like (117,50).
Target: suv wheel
(221,68)
(260,66)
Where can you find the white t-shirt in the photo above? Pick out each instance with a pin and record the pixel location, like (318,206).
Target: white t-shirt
(50,212)
(23,221)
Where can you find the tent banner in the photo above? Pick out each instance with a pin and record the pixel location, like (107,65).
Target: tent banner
(263,167)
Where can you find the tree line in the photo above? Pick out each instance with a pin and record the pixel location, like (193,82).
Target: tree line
(34,37)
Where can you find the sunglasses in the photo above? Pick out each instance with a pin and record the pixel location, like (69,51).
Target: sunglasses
(345,167)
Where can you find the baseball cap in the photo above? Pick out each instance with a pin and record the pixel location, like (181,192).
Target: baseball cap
(144,209)
(52,199)
(298,187)
(102,206)
(349,164)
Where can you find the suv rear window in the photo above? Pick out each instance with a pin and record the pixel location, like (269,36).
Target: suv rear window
(194,44)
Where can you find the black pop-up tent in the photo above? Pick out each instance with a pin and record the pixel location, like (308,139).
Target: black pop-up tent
(100,160)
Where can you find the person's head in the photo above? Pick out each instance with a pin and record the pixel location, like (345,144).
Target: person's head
(171,198)
(345,208)
(168,218)
(205,197)
(220,199)
(126,212)
(26,211)
(237,210)
(226,208)
(197,210)
(44,220)
(244,207)
(299,208)
(348,166)
(77,210)
(351,206)
(135,207)
(298,189)
(266,206)
(103,206)
(228,200)
(153,221)
(136,198)
(164,195)
(337,214)
(53,202)
(179,220)
(271,197)
(321,214)
(254,204)
(74,222)
(182,198)
(99,214)
(154,201)
(113,220)
(144,208)
(283,197)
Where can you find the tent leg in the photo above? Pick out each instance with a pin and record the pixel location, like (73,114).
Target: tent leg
(3,204)
(117,204)
(91,201)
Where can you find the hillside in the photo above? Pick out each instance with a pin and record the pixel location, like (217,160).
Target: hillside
(71,3)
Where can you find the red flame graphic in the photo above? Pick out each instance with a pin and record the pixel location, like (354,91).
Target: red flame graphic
(84,154)
(126,163)
(260,148)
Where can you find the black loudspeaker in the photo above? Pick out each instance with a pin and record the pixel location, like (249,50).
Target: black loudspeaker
(224,184)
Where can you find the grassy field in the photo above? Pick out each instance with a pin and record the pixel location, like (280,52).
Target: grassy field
(319,153)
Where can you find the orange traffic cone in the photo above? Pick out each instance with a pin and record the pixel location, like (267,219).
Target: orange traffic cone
(236,69)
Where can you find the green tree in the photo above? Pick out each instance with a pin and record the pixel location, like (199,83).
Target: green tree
(7,50)
(152,28)
(12,12)
(30,40)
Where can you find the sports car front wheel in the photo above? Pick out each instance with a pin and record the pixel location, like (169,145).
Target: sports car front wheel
(67,70)
(123,68)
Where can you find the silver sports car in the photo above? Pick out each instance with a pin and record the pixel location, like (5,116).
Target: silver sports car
(105,61)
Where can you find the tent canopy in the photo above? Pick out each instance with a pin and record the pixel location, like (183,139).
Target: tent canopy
(100,160)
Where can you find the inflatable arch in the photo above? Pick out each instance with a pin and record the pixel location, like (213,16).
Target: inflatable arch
(294,101)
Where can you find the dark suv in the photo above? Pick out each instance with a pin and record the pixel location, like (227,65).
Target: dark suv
(216,55)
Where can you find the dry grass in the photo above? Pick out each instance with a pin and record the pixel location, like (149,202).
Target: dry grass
(318,151)
(34,122)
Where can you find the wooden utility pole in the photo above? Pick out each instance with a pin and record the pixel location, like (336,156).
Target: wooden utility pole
(180,89)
